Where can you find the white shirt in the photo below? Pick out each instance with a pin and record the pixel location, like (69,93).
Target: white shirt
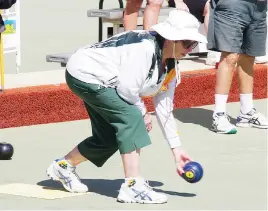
(130,63)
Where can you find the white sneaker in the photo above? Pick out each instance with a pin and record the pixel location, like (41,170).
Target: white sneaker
(252,119)
(221,124)
(63,172)
(139,191)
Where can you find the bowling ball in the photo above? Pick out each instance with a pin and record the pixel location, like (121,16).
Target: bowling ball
(193,172)
(6,151)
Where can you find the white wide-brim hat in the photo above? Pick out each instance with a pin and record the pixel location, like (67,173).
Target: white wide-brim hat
(180,25)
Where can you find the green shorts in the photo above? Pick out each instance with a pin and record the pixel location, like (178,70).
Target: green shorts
(116,124)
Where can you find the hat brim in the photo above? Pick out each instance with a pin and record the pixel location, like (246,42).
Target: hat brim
(170,33)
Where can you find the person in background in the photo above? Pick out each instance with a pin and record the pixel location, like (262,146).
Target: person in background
(237,29)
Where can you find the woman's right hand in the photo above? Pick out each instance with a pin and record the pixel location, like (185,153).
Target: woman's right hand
(181,158)
(148,121)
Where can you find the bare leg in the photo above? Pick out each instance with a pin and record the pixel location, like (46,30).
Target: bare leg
(131,14)
(206,15)
(224,73)
(245,73)
(245,80)
(74,157)
(131,163)
(151,13)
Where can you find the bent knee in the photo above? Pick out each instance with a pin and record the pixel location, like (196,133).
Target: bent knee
(230,59)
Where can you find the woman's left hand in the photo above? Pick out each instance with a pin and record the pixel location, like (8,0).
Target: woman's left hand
(148,121)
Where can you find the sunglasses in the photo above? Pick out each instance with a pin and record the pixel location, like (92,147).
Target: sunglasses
(189,44)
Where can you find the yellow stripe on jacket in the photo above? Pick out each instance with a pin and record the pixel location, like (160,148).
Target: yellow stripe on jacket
(170,76)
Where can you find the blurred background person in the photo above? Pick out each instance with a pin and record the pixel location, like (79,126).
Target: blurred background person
(237,29)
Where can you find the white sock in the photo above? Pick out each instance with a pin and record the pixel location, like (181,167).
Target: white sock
(246,102)
(64,160)
(220,103)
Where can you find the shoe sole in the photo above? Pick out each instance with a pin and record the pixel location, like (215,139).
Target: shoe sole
(141,201)
(233,131)
(52,175)
(248,125)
